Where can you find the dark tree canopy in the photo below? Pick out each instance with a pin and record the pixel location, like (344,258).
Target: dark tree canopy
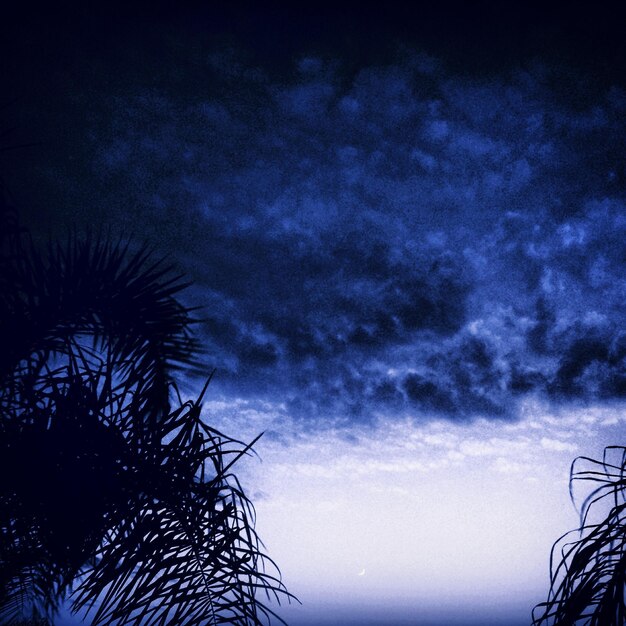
(115,492)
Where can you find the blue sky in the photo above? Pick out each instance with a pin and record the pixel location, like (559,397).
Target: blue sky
(411,274)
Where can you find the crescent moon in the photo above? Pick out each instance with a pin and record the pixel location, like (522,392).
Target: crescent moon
(362,572)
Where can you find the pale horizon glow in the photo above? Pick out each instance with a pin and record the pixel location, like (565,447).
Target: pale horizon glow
(443,517)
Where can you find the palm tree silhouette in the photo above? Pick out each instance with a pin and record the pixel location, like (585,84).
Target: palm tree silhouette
(115,494)
(588,581)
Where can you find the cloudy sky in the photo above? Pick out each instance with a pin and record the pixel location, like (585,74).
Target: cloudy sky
(407,234)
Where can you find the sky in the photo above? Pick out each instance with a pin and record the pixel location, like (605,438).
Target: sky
(406,230)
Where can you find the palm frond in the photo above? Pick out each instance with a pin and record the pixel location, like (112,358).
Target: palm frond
(184,549)
(96,289)
(588,582)
(110,495)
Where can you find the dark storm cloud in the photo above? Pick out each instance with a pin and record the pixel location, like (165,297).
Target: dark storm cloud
(462,381)
(578,318)
(317,317)
(591,363)
(390,239)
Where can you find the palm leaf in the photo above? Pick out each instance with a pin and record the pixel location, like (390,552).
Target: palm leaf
(112,495)
(589,580)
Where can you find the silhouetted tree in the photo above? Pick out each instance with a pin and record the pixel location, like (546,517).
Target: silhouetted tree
(589,580)
(113,491)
